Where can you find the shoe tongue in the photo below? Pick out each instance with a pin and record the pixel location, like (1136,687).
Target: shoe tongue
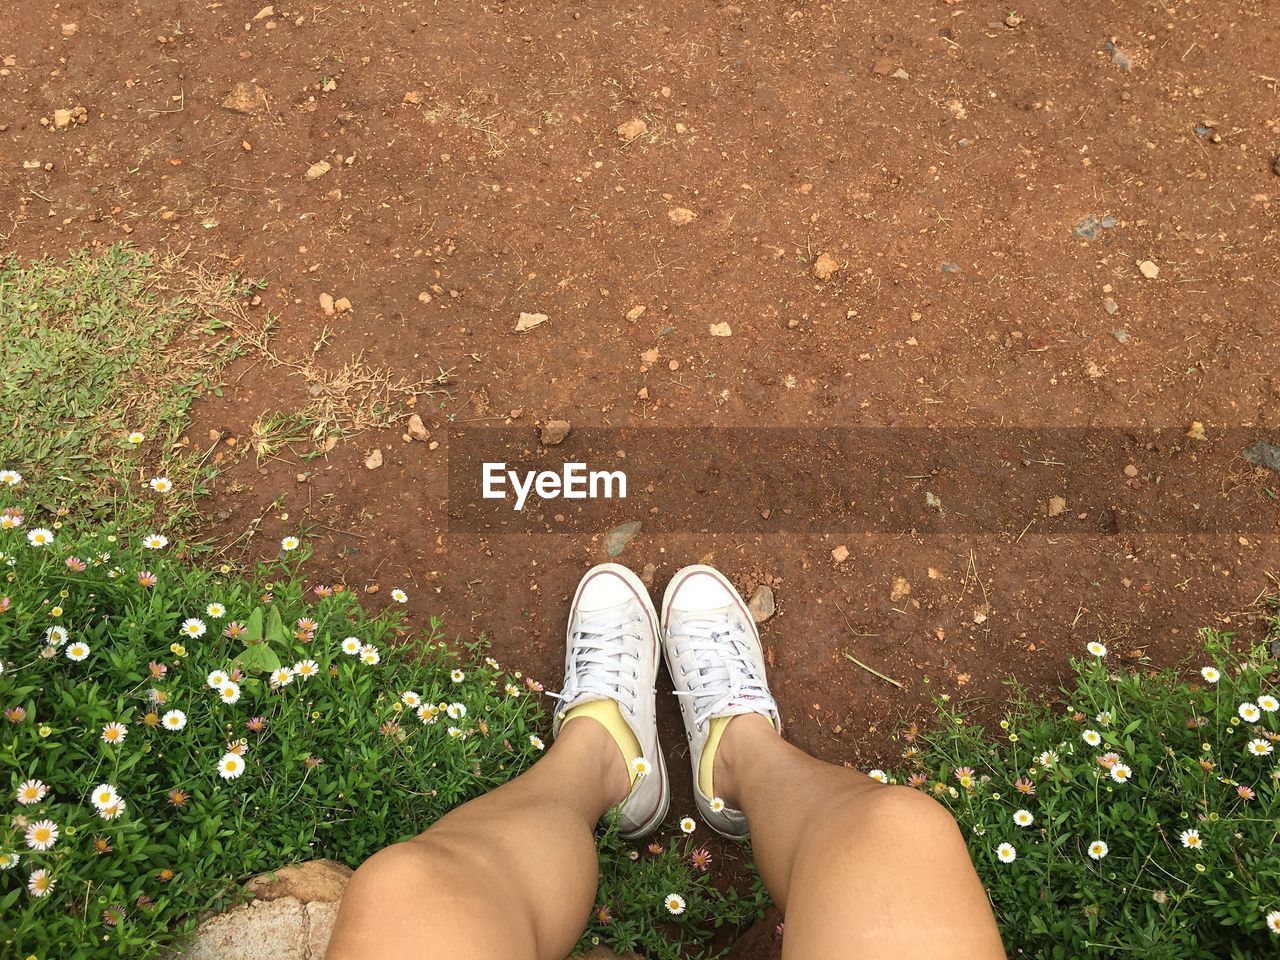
(719,616)
(745,703)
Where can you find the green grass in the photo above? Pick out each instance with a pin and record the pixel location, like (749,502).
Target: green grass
(1133,759)
(99,346)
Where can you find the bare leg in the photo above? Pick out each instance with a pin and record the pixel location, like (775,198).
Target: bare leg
(509,876)
(861,869)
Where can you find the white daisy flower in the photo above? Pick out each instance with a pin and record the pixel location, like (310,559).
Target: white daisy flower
(457,676)
(1006,853)
(688,825)
(537,742)
(215,611)
(32,791)
(410,699)
(42,835)
(290,543)
(114,733)
(193,627)
(113,811)
(427,712)
(1098,849)
(1259,747)
(878,775)
(1191,839)
(56,636)
(492,663)
(10,521)
(1047,759)
(716,804)
(230,766)
(40,883)
(1273,920)
(369,654)
(217,680)
(454,732)
(1249,712)
(640,767)
(160,484)
(8,860)
(10,478)
(456,711)
(1268,703)
(305,669)
(155,541)
(230,692)
(1097,649)
(103,796)
(1120,773)
(512,690)
(399,596)
(282,677)
(675,904)
(174,720)
(351,646)
(40,537)
(1210,674)
(1105,718)
(1091,737)
(136,438)
(1023,818)
(77,651)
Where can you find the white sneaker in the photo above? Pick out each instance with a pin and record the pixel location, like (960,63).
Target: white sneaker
(612,654)
(713,653)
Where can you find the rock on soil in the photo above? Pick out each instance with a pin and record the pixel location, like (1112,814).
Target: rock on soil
(826,267)
(245,98)
(616,540)
(326,304)
(374,460)
(630,129)
(840,554)
(554,432)
(417,429)
(636,312)
(291,919)
(318,169)
(761,604)
(721,329)
(1148,269)
(681,215)
(1263,454)
(528,321)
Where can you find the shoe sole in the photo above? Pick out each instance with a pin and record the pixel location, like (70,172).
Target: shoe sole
(642,594)
(680,576)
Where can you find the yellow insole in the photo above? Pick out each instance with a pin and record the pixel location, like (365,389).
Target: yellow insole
(708,761)
(609,716)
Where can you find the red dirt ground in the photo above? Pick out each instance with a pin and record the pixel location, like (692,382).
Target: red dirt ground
(475,156)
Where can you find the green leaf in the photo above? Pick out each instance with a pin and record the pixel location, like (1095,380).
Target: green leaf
(258,658)
(253,628)
(276,632)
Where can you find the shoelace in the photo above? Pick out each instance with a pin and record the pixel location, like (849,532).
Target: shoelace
(604,664)
(729,679)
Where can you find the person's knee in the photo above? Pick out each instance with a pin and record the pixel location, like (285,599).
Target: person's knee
(893,816)
(406,865)
(391,868)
